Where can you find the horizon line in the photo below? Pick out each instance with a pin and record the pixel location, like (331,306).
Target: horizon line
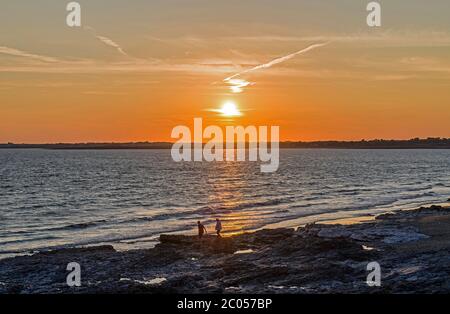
(284,141)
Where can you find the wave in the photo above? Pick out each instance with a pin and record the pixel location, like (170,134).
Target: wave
(353,190)
(74,226)
(34,239)
(224,208)
(206,210)
(83,225)
(416,196)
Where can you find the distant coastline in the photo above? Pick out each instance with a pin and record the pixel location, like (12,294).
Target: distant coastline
(416,143)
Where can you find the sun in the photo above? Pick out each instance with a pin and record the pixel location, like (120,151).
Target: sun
(229,109)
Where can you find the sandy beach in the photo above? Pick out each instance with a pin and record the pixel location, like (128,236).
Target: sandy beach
(412,248)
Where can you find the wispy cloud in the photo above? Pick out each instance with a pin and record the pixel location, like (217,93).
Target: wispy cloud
(237,85)
(24,54)
(388,37)
(131,66)
(107,41)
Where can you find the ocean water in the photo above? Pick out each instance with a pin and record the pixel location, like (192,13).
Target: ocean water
(58,198)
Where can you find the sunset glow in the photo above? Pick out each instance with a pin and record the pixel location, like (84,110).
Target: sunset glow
(225,153)
(318,78)
(229,109)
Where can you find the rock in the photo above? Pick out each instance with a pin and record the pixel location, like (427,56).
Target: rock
(176,239)
(388,234)
(389,215)
(336,232)
(431,208)
(314,259)
(14,289)
(208,243)
(81,250)
(269,236)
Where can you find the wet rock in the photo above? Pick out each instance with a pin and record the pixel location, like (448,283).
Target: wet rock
(271,236)
(336,232)
(314,259)
(437,208)
(88,250)
(389,234)
(176,239)
(211,244)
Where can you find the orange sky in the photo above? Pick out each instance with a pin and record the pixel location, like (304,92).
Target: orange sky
(59,84)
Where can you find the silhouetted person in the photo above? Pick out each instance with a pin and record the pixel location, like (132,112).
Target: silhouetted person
(201,229)
(218,226)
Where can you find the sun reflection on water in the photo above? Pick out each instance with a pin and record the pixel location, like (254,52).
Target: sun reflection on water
(228,183)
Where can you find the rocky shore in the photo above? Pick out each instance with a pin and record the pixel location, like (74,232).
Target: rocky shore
(412,248)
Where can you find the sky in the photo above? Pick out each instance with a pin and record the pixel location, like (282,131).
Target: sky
(136,69)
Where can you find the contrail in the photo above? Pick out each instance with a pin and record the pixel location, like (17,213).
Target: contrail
(107,41)
(276,61)
(20,53)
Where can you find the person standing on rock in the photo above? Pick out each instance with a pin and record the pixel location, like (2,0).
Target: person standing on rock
(218,227)
(201,229)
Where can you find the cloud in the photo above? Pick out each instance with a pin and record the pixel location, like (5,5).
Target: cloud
(388,37)
(107,41)
(236,85)
(24,54)
(393,77)
(131,66)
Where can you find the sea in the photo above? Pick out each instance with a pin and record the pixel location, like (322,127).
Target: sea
(53,199)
